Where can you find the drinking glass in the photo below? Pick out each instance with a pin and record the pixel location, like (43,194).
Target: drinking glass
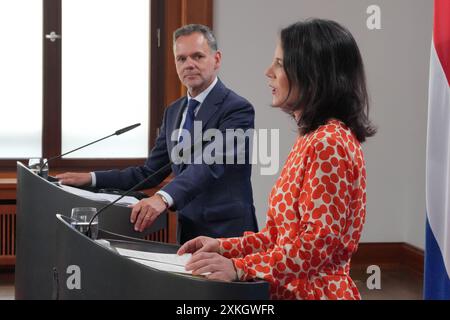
(80,218)
(39,166)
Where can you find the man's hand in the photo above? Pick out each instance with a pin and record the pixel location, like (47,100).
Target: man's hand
(219,267)
(146,211)
(75,179)
(199,244)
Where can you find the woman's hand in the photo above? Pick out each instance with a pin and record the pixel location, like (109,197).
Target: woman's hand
(218,267)
(200,244)
(206,259)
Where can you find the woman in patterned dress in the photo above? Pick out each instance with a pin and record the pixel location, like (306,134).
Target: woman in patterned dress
(317,207)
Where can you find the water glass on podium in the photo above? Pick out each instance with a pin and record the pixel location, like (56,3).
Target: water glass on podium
(80,218)
(39,166)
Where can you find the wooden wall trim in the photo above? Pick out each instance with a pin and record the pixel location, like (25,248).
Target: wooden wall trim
(389,255)
(156,92)
(179,13)
(197,11)
(7,190)
(51,126)
(173,18)
(7,263)
(414,257)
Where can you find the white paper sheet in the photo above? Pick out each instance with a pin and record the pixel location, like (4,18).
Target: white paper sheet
(100,196)
(162,266)
(161,261)
(167,258)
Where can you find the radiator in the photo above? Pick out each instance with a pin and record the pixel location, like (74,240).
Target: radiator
(7,234)
(160,236)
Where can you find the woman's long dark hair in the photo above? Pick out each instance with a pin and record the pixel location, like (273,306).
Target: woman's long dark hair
(322,60)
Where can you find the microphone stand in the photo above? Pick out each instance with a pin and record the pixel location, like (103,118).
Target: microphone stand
(117,133)
(140,184)
(165,167)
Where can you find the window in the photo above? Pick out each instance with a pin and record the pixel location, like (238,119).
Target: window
(42,81)
(105,76)
(21,71)
(76,71)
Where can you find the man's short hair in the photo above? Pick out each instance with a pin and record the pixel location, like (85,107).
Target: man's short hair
(197,28)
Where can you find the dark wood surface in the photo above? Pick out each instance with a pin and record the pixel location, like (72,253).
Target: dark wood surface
(390,255)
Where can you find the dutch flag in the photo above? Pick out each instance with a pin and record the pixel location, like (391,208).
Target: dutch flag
(437,251)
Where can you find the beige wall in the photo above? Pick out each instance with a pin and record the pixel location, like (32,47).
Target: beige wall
(397,62)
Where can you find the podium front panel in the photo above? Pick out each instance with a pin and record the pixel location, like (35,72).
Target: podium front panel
(38,201)
(86,269)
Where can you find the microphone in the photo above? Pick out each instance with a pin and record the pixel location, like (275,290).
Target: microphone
(140,184)
(117,133)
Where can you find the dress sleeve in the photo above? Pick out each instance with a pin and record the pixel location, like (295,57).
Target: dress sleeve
(322,207)
(250,243)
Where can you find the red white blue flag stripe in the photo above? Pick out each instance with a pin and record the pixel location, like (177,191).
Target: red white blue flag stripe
(437,248)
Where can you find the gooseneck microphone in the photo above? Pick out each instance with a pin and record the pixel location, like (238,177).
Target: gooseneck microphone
(117,133)
(140,184)
(191,148)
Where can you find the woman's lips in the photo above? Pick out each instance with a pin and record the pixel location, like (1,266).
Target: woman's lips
(274,90)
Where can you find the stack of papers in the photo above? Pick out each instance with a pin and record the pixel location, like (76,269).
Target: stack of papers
(160,261)
(100,196)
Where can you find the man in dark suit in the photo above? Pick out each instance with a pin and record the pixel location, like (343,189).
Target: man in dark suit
(211,199)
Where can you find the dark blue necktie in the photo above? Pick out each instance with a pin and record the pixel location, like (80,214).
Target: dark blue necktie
(190,116)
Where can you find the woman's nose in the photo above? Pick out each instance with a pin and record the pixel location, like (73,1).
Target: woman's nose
(269,72)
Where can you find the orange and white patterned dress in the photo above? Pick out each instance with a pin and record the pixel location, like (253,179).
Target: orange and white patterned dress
(316,214)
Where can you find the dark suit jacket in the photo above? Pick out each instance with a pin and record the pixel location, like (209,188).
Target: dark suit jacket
(212,200)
